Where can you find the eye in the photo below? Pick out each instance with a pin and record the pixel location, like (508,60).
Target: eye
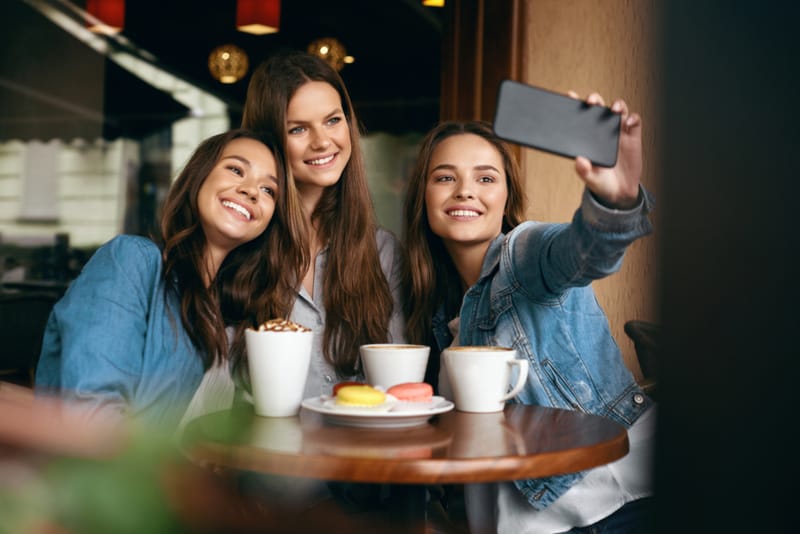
(486,179)
(444,178)
(297,130)
(268,190)
(236,170)
(334,120)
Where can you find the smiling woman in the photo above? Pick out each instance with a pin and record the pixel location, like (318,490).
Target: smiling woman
(142,331)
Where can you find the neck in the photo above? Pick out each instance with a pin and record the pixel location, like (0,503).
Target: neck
(468,260)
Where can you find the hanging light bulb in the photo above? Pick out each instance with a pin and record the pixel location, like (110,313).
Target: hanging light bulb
(258,16)
(331,50)
(108,16)
(228,63)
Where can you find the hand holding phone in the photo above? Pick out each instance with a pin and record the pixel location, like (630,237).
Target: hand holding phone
(556,123)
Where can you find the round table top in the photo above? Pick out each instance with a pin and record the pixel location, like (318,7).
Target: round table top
(453,447)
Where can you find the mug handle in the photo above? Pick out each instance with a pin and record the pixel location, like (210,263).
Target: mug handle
(521,378)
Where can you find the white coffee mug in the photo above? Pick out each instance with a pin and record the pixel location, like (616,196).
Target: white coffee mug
(278,363)
(480,376)
(387,364)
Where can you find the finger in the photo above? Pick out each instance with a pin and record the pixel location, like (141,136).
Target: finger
(573,94)
(619,106)
(583,167)
(595,99)
(632,121)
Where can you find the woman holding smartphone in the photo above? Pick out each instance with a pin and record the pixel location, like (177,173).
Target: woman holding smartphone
(478,275)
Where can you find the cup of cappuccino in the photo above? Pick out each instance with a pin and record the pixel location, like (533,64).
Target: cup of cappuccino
(388,364)
(481,376)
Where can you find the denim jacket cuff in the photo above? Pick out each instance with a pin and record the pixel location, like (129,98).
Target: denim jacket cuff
(609,219)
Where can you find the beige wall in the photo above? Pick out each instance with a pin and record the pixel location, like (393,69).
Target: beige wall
(606,46)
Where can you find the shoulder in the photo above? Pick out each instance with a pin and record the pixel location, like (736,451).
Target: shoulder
(385,238)
(131,249)
(125,256)
(388,245)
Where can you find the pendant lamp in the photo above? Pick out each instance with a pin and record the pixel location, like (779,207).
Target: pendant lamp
(331,50)
(109,15)
(258,16)
(433,3)
(228,63)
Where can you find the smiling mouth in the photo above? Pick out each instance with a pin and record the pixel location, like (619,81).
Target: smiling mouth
(236,207)
(321,161)
(463,213)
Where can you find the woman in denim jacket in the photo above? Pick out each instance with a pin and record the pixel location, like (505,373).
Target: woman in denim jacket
(478,275)
(141,332)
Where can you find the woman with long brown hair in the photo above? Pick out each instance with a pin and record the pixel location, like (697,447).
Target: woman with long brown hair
(349,294)
(142,331)
(478,274)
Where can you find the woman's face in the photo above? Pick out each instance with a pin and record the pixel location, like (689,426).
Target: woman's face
(318,141)
(237,199)
(466,192)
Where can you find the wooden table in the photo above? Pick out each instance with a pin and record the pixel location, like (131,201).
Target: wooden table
(452,448)
(455,447)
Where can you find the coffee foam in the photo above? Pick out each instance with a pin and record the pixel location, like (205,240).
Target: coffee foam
(282,325)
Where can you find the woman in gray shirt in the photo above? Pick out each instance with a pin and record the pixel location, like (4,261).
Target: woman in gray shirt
(350,293)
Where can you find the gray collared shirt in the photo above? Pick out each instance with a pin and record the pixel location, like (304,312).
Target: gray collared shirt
(310,311)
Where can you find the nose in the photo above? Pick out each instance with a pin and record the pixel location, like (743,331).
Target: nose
(249,188)
(320,140)
(464,190)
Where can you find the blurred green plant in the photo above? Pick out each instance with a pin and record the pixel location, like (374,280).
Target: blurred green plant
(122,494)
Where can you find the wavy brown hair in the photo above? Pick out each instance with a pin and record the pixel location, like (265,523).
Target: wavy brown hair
(253,283)
(356,294)
(430,279)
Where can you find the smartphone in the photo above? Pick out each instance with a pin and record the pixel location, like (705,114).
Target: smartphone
(556,123)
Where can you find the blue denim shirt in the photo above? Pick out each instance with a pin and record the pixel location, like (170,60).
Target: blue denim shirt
(534,294)
(112,345)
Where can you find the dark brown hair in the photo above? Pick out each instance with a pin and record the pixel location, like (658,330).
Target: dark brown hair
(251,284)
(430,278)
(356,294)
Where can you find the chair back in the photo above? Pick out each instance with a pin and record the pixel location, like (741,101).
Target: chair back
(645,340)
(23,316)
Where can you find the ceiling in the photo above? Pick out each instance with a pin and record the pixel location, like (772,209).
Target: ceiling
(394,82)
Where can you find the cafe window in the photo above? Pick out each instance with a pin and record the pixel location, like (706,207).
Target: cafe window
(39,203)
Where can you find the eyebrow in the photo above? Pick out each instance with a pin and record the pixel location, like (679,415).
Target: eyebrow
(337,111)
(450,166)
(247,162)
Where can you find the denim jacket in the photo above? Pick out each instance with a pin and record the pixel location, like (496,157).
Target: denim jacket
(115,345)
(534,294)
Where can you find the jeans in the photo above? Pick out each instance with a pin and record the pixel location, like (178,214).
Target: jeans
(633,518)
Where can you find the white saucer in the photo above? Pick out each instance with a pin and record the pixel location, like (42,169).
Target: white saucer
(398,415)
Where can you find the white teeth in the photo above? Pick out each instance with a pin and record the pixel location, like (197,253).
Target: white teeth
(237,207)
(321,161)
(463,213)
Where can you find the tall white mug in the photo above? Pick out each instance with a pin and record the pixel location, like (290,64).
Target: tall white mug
(278,363)
(480,376)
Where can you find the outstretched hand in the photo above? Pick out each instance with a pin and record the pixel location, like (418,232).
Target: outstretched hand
(618,186)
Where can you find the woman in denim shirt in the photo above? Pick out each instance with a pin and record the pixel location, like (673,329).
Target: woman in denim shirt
(139,328)
(478,275)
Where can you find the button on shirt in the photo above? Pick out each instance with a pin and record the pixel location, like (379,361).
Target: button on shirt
(309,311)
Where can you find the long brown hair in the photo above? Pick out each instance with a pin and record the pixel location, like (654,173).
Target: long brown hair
(252,281)
(430,278)
(356,294)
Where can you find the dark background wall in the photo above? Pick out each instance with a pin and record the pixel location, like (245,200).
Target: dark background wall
(727,458)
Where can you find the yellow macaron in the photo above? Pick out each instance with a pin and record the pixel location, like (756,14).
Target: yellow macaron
(362,395)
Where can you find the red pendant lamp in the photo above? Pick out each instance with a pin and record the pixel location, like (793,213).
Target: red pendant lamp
(110,15)
(258,16)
